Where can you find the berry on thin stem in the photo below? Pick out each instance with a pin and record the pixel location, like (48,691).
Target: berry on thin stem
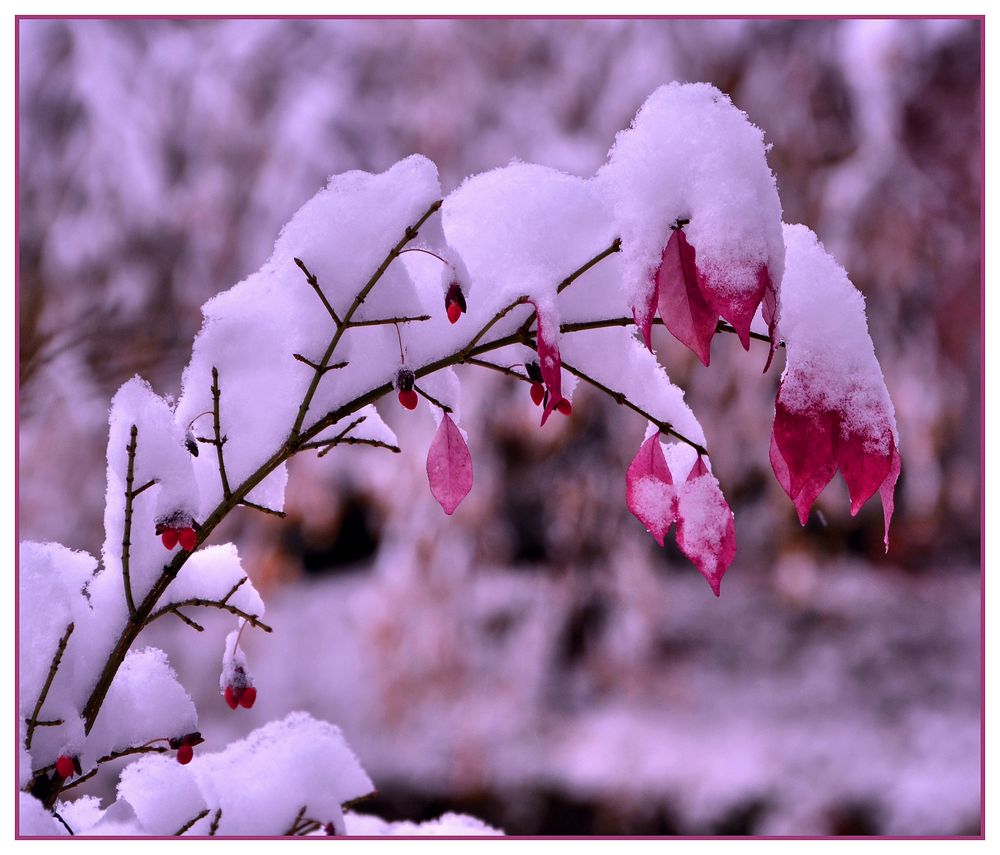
(408,398)
(564,407)
(64,766)
(185,754)
(537,394)
(169,538)
(248,697)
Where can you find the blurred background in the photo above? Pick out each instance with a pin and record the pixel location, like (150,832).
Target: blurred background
(541,664)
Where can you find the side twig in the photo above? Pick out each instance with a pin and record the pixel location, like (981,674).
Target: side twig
(33,722)
(314,282)
(187,825)
(253,620)
(219,440)
(262,509)
(443,407)
(214,827)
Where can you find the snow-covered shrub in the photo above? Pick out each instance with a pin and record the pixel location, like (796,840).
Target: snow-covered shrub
(526,271)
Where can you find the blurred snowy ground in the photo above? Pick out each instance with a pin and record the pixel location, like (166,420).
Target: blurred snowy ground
(536,660)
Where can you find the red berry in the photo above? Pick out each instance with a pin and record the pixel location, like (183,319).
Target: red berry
(408,398)
(232,697)
(248,697)
(564,407)
(169,538)
(64,766)
(187,538)
(454,311)
(184,754)
(537,393)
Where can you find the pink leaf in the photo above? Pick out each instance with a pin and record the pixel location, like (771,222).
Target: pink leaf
(735,306)
(683,308)
(863,469)
(888,490)
(705,530)
(550,364)
(643,315)
(802,453)
(449,466)
(649,490)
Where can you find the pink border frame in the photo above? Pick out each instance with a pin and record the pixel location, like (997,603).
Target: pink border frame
(982,391)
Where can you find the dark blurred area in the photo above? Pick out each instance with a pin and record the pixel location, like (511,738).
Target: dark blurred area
(159,160)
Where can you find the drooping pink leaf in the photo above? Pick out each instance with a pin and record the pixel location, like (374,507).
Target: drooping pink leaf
(644,313)
(649,490)
(732,305)
(550,364)
(449,466)
(705,530)
(863,469)
(802,453)
(888,491)
(682,306)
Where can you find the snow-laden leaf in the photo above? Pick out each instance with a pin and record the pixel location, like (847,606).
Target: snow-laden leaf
(832,409)
(705,531)
(683,308)
(649,489)
(449,466)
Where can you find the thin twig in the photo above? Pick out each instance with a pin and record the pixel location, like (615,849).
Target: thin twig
(353,440)
(188,621)
(56,659)
(262,509)
(314,282)
(721,326)
(443,407)
(127,529)
(187,825)
(253,620)
(235,588)
(510,372)
(145,487)
(295,822)
(115,755)
(619,398)
(63,821)
(220,440)
(316,367)
(81,779)
(386,321)
(214,827)
(53,723)
(470,347)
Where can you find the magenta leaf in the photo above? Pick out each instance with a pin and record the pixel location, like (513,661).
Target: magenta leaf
(737,308)
(449,466)
(649,490)
(863,469)
(705,530)
(802,453)
(683,308)
(550,364)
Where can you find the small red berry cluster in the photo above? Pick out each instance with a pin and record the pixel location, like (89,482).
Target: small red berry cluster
(184,746)
(67,766)
(178,529)
(539,394)
(454,302)
(240,691)
(404,383)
